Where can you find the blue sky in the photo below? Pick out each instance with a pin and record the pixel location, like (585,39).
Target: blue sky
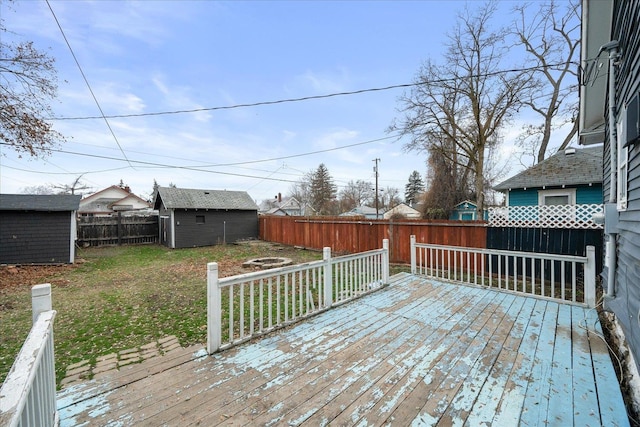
(159,56)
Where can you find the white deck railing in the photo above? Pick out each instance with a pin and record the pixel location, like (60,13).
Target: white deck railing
(28,394)
(244,306)
(561,277)
(542,216)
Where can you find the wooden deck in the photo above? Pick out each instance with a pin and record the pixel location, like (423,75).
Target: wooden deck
(416,352)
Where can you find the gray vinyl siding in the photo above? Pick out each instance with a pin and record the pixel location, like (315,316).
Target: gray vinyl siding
(626,304)
(218,227)
(35,237)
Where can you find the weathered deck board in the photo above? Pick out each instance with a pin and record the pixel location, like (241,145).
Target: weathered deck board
(418,351)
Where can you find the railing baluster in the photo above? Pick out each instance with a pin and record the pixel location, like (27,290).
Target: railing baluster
(533,276)
(300,293)
(562,286)
(574,278)
(261,302)
(553,279)
(278,299)
(241,321)
(231,309)
(251,307)
(270,300)
(543,272)
(500,271)
(524,274)
(286,298)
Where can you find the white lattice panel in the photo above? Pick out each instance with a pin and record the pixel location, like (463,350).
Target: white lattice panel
(555,216)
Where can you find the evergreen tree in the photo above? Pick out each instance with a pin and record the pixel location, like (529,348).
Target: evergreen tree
(323,191)
(414,187)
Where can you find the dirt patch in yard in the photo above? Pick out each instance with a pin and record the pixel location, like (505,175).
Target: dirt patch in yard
(12,276)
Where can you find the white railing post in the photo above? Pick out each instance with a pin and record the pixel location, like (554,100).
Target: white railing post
(214,309)
(40,300)
(28,394)
(385,261)
(590,277)
(413,254)
(328,277)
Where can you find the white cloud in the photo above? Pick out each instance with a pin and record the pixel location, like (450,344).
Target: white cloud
(180,98)
(322,82)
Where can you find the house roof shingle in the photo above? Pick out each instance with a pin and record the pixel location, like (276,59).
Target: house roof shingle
(183,198)
(38,202)
(582,167)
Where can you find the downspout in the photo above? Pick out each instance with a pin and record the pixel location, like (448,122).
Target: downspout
(611,261)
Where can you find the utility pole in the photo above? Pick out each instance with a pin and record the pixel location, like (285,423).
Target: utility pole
(375,170)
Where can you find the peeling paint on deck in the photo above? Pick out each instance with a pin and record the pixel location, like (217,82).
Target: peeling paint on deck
(417,352)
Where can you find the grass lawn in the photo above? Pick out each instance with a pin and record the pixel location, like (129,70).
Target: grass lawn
(116,298)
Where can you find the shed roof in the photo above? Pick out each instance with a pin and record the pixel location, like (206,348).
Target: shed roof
(38,202)
(184,198)
(584,166)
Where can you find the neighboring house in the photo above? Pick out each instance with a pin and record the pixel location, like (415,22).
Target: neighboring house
(36,229)
(402,210)
(563,191)
(365,211)
(190,218)
(610,45)
(110,200)
(288,206)
(465,211)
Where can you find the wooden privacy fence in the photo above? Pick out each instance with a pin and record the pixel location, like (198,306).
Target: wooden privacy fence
(117,230)
(347,235)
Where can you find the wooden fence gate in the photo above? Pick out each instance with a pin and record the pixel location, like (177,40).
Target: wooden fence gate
(117,230)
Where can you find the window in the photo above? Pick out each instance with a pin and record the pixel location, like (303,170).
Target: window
(557,200)
(557,207)
(623,162)
(557,197)
(199,219)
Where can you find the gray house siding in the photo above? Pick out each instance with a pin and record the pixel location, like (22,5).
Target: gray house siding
(35,237)
(626,302)
(207,228)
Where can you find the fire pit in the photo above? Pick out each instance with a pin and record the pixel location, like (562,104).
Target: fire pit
(267,262)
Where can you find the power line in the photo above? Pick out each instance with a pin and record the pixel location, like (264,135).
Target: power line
(63,173)
(305,154)
(199,168)
(102,115)
(309,153)
(160,165)
(305,98)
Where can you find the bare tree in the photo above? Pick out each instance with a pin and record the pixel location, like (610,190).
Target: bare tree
(446,187)
(45,189)
(28,82)
(73,188)
(389,198)
(550,36)
(356,193)
(301,190)
(460,107)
